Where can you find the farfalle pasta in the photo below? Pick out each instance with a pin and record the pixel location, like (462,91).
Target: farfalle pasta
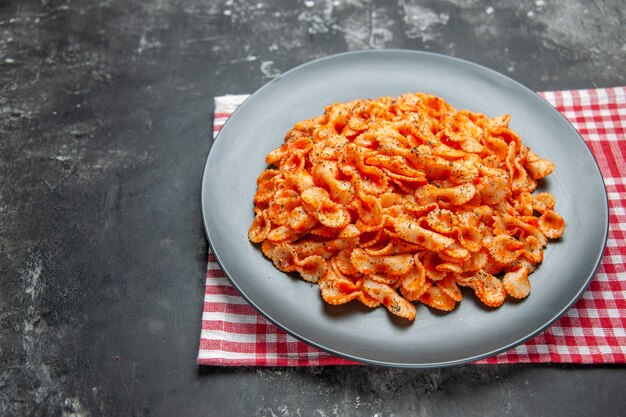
(399,201)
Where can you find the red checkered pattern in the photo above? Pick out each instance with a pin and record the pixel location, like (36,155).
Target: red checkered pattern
(593,331)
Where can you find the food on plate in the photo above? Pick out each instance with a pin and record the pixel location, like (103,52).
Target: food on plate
(402,200)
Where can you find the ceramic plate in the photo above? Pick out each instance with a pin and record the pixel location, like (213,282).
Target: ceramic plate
(468,333)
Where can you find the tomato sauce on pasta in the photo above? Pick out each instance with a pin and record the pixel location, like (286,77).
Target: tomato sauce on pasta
(402,200)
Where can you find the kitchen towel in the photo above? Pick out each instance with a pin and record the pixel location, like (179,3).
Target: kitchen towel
(592,331)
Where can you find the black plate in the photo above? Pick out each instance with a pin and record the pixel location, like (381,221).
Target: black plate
(471,331)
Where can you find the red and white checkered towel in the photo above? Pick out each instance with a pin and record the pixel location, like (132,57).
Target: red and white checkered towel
(593,331)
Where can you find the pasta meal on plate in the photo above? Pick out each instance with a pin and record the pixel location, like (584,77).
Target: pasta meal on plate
(402,200)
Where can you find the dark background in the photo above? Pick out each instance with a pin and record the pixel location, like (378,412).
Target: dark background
(105,120)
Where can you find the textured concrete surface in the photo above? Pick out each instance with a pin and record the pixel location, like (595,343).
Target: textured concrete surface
(105,115)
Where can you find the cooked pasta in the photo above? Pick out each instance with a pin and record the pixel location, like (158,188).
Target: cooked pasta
(403,200)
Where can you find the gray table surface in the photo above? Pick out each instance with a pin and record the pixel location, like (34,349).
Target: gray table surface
(105,118)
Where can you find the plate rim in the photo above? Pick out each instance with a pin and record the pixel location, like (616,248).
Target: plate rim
(395,364)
